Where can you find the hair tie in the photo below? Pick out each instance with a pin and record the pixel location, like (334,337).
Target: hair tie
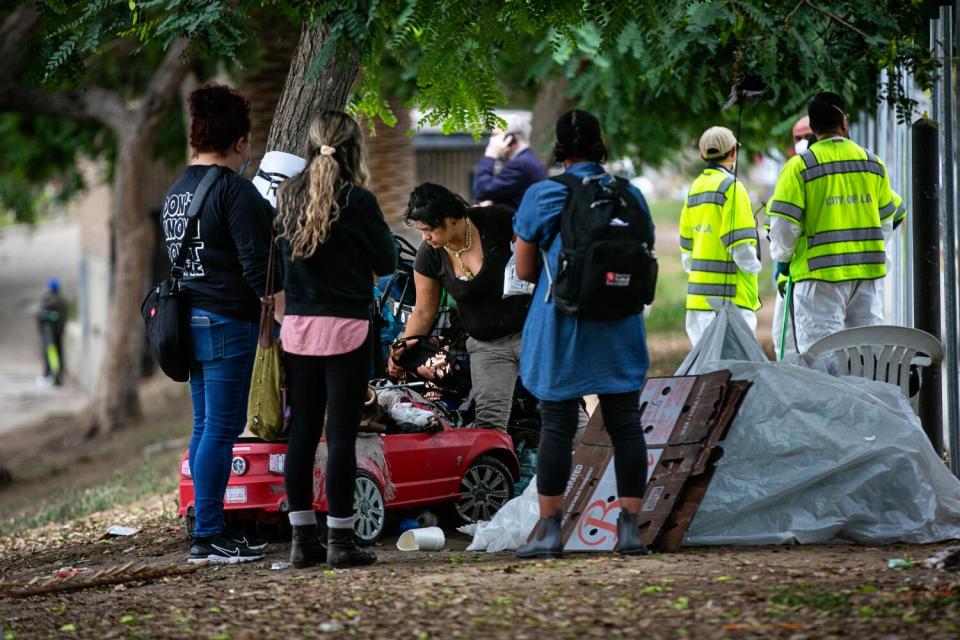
(327,151)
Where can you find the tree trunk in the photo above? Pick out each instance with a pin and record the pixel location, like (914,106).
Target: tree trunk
(551,103)
(300,103)
(392,160)
(117,401)
(264,84)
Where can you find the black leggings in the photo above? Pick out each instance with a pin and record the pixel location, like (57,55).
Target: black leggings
(336,385)
(621,416)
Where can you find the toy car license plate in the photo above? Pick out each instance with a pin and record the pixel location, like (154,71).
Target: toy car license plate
(235,495)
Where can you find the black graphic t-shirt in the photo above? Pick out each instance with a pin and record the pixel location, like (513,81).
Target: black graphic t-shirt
(226,268)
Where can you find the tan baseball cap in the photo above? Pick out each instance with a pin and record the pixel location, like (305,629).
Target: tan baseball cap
(716,142)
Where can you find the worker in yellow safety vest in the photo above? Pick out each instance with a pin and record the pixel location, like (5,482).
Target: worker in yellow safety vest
(803,137)
(831,213)
(718,237)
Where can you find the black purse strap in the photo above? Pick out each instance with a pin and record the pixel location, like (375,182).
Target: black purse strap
(193,218)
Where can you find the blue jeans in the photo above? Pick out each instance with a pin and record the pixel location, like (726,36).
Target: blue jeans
(223,353)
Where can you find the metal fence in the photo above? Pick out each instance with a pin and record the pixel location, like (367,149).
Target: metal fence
(890,140)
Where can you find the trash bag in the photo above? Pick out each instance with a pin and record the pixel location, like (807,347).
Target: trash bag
(814,458)
(510,525)
(728,337)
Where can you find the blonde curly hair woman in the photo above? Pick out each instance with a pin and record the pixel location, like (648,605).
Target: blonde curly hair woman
(333,240)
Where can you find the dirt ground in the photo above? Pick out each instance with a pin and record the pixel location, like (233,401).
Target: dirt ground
(769,592)
(763,592)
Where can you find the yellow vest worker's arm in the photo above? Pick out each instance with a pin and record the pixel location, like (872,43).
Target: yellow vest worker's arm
(785,210)
(686,237)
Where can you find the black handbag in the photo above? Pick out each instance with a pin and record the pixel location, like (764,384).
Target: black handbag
(163,313)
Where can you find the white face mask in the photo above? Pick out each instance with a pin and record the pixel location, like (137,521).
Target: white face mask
(800,146)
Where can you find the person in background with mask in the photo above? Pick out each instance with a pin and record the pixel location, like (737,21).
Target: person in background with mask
(718,237)
(521,167)
(803,137)
(224,275)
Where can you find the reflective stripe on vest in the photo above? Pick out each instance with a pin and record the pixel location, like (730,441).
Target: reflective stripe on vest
(787,209)
(887,211)
(711,197)
(714,290)
(816,170)
(844,235)
(714,266)
(841,166)
(686,243)
(847,260)
(738,235)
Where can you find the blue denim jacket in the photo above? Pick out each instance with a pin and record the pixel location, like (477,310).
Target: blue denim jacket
(562,357)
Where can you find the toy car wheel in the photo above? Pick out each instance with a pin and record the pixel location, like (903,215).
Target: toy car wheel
(486,486)
(370,509)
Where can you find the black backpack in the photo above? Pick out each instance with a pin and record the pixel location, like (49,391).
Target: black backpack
(607,269)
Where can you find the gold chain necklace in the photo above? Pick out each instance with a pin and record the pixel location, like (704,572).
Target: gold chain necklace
(467,244)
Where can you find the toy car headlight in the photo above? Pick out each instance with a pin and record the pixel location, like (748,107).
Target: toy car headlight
(238,466)
(185,468)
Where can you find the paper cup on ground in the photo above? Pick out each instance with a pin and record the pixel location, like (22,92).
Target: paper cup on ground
(425,539)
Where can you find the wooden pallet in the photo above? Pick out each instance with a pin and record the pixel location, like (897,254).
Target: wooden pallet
(684,420)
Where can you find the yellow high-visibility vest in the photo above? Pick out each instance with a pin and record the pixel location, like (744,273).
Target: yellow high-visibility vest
(839,194)
(716,217)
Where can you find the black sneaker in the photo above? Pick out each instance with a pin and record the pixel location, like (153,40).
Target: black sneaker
(252,542)
(220,549)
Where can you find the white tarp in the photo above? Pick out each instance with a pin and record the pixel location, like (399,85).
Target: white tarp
(813,458)
(809,458)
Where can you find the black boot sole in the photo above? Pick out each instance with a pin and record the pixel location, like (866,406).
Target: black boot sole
(634,552)
(540,555)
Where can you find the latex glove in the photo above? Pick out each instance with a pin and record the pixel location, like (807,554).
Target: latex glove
(783,269)
(497,147)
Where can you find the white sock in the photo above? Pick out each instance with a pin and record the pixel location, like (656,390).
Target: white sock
(340,523)
(302,518)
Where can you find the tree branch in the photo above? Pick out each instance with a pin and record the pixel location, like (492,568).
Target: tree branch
(12,34)
(164,84)
(93,104)
(786,20)
(835,18)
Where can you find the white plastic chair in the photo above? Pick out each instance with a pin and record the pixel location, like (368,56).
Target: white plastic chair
(882,352)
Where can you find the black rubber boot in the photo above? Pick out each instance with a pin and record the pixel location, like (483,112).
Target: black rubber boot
(628,535)
(342,550)
(307,547)
(547,541)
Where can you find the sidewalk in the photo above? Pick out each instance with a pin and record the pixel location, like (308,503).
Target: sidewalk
(28,259)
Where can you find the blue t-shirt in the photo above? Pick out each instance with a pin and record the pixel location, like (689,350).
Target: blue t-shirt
(563,357)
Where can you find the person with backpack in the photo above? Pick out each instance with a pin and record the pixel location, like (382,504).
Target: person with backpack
(332,240)
(223,277)
(584,333)
(52,319)
(718,238)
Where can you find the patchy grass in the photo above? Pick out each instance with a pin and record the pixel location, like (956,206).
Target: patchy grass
(136,481)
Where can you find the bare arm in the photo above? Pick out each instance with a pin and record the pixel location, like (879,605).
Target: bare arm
(422,317)
(528,265)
